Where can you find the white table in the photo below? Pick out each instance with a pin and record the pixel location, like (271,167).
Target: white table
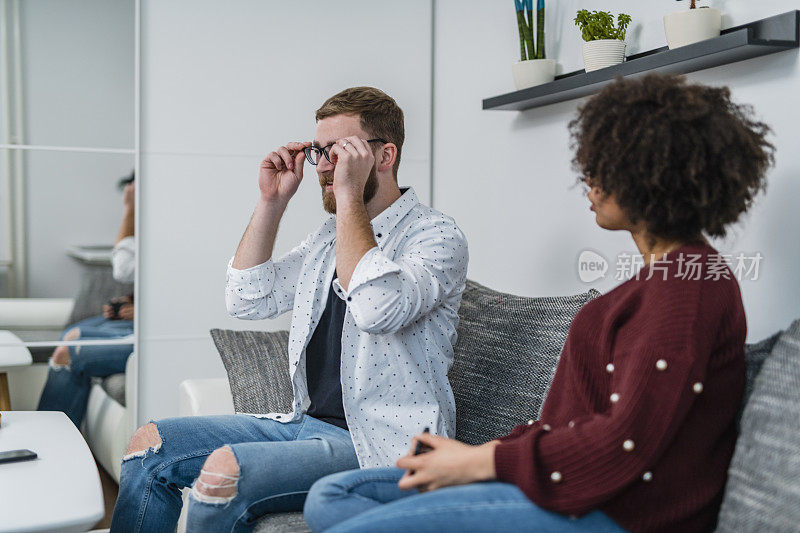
(13,353)
(59,491)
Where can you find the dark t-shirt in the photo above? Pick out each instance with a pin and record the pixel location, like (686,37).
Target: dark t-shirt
(323,360)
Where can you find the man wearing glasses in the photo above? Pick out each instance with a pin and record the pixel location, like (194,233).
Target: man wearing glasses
(374,294)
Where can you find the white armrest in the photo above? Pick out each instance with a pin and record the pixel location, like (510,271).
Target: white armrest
(205,397)
(35,313)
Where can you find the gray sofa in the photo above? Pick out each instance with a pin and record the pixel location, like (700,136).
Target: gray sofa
(505,358)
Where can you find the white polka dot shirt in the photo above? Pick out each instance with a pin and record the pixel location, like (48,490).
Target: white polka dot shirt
(399,329)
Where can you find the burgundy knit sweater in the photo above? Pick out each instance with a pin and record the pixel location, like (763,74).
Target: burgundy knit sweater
(640,419)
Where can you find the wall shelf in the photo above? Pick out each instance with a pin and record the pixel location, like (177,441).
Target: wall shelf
(762,37)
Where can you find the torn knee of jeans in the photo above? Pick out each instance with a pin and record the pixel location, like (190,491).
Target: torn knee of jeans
(58,366)
(146,439)
(218,479)
(60,358)
(73,334)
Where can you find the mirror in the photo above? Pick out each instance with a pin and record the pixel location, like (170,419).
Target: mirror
(67,114)
(67,138)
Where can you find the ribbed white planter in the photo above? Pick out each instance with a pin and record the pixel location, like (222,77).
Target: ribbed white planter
(602,53)
(692,26)
(533,72)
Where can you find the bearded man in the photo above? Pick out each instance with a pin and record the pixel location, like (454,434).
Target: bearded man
(374,294)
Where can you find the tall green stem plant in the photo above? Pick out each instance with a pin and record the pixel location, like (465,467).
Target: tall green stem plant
(528,48)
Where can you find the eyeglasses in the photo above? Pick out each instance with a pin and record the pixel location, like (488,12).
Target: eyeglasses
(313,153)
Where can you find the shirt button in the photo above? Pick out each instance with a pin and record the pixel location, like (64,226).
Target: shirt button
(614,398)
(349,298)
(697,388)
(530,422)
(555,477)
(379,235)
(647,476)
(628,445)
(571,423)
(661,365)
(546,427)
(609,368)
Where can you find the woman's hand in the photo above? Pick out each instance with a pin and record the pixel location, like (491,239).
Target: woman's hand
(448,463)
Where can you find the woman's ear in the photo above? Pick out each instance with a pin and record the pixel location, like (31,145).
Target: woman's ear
(387,157)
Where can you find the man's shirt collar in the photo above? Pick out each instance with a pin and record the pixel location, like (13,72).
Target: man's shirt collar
(385,222)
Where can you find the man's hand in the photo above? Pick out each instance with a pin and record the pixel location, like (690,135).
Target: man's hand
(354,161)
(281,172)
(125,312)
(448,463)
(124,309)
(128,196)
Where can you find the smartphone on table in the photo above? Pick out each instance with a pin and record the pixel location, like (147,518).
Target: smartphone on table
(13,456)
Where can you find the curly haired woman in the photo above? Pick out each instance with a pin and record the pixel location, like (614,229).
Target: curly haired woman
(638,428)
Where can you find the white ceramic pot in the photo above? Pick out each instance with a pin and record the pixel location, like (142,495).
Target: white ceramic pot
(694,25)
(533,72)
(602,53)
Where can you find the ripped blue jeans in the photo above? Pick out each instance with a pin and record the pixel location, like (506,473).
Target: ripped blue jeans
(67,387)
(370,500)
(278,463)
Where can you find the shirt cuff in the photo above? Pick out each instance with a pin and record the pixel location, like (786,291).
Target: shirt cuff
(507,458)
(370,267)
(251,283)
(127,244)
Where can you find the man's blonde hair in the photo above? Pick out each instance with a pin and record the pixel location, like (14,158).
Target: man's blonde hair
(379,113)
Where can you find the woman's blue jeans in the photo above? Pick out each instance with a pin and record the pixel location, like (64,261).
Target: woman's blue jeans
(278,463)
(67,387)
(369,500)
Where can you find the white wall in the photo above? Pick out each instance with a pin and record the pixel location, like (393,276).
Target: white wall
(224,83)
(506,176)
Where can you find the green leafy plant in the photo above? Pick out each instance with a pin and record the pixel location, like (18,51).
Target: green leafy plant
(527,47)
(595,25)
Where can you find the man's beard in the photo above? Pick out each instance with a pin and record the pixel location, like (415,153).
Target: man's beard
(370,188)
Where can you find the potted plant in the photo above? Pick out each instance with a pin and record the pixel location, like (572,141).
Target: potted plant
(532,69)
(694,25)
(604,44)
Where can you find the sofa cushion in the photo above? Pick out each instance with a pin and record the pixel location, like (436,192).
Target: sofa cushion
(282,523)
(505,358)
(764,476)
(257,363)
(754,357)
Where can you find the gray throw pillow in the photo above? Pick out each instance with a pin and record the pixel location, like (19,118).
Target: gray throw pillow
(763,489)
(505,358)
(257,363)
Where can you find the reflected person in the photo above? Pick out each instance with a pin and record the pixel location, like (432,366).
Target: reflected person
(71,368)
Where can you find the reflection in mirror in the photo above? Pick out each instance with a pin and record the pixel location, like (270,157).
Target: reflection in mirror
(67,111)
(78,217)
